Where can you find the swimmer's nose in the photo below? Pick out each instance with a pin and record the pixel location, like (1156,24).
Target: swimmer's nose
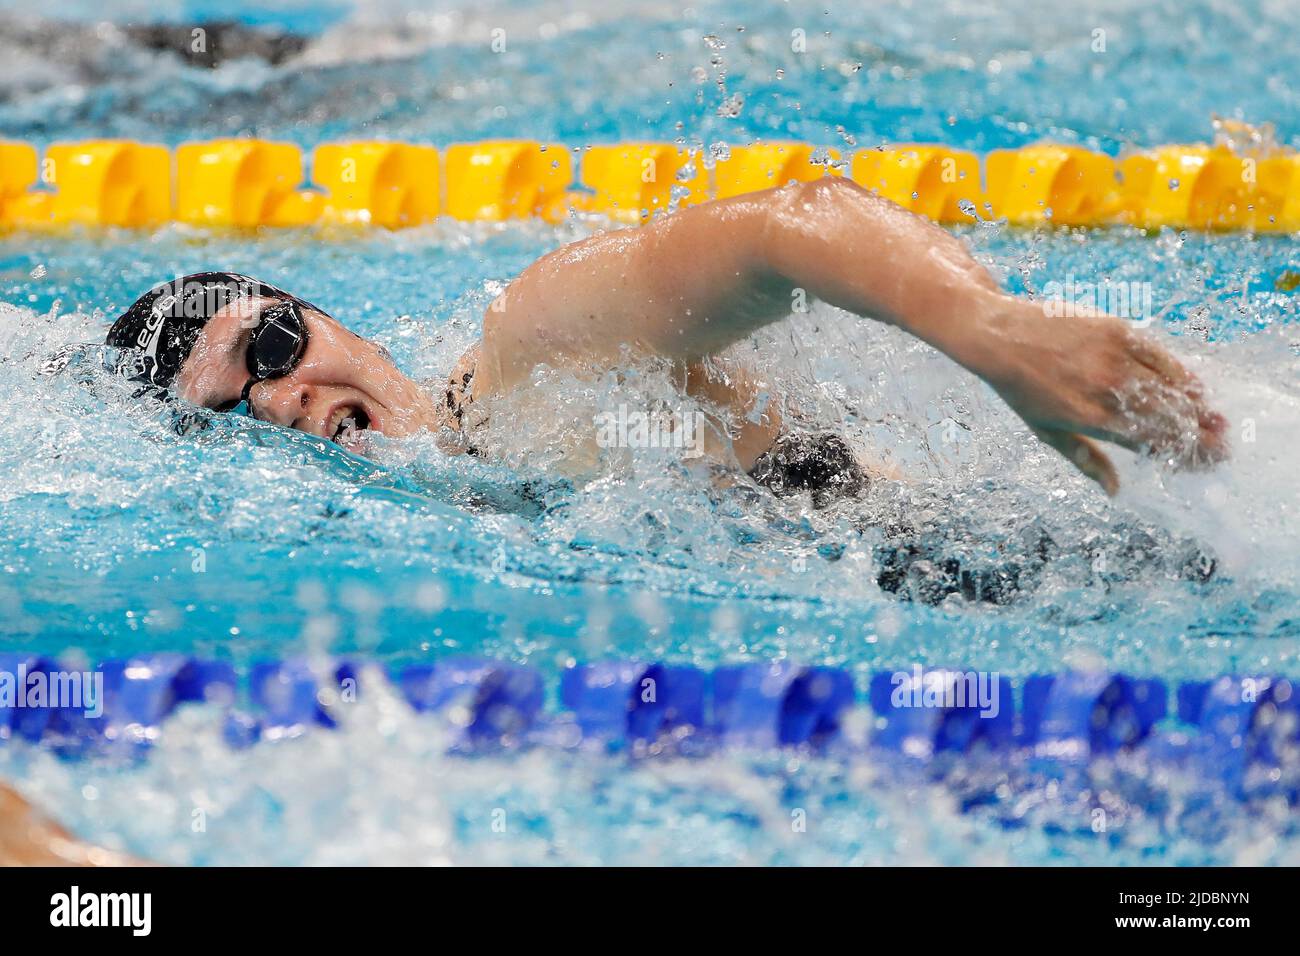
(283,401)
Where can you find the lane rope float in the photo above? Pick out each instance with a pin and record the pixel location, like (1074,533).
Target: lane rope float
(1240,730)
(249,183)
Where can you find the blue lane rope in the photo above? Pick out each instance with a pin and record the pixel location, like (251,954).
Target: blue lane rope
(1239,726)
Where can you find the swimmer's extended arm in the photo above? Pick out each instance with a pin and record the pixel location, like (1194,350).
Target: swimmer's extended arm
(688,285)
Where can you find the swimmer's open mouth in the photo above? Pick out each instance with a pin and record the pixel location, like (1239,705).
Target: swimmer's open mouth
(347,421)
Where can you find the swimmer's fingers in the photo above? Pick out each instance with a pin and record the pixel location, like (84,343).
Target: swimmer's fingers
(1158,420)
(1160,362)
(1202,437)
(1097,378)
(1084,454)
(1131,391)
(1164,409)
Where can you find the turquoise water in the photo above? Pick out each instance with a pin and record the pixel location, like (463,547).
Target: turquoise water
(245,541)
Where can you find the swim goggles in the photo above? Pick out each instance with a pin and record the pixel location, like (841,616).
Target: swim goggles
(276,344)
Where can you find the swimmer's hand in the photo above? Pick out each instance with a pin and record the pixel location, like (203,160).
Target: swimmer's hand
(1075,380)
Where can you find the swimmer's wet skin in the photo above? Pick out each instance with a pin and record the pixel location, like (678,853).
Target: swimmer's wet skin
(682,289)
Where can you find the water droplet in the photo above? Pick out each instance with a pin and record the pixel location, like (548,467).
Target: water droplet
(732,106)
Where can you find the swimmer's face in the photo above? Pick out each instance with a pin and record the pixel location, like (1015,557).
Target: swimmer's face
(342,386)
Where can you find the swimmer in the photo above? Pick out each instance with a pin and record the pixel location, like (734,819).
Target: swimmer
(681,290)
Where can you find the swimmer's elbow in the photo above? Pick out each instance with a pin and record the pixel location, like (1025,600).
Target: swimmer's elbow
(818,198)
(815,212)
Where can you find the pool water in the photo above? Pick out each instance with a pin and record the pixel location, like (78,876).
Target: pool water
(243,542)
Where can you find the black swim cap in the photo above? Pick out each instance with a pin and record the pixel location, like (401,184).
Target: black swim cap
(163,324)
